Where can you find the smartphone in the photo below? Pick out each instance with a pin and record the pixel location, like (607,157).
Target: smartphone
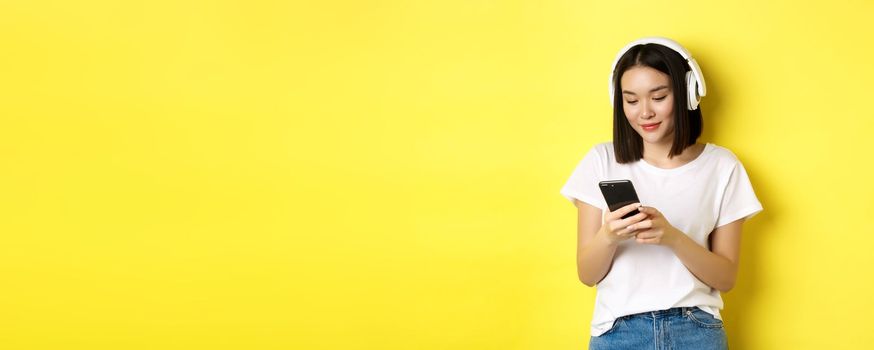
(619,193)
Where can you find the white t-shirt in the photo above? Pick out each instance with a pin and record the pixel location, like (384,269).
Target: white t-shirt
(710,191)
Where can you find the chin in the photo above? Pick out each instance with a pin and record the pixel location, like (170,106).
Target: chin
(655,138)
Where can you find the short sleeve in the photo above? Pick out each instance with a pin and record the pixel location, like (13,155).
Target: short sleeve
(739,201)
(583,182)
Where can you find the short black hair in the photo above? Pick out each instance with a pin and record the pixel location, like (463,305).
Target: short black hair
(627,143)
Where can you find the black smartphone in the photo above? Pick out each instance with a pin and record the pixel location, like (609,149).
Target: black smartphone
(619,193)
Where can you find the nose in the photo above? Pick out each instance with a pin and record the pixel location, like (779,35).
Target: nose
(646,111)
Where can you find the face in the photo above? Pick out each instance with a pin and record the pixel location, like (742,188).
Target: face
(648,102)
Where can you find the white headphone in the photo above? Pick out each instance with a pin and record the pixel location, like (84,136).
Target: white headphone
(694,79)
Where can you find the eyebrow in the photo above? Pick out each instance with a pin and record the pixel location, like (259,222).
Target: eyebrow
(653,90)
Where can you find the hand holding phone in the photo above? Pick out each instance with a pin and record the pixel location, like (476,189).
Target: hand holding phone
(619,193)
(621,200)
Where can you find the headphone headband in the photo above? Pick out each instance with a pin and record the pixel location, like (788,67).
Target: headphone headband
(695,85)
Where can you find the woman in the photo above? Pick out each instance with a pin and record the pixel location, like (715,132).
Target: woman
(659,273)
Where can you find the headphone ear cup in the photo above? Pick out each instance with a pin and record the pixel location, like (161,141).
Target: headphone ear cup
(692,90)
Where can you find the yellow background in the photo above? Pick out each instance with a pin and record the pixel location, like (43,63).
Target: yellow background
(385,174)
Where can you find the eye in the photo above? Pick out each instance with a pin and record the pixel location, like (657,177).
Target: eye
(660,98)
(631,102)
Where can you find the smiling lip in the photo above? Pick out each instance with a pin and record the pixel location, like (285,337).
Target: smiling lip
(651,127)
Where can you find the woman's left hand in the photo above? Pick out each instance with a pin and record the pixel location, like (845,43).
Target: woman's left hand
(655,229)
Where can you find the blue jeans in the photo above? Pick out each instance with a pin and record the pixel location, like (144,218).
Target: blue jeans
(677,328)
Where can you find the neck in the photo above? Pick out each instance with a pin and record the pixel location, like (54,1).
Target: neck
(657,152)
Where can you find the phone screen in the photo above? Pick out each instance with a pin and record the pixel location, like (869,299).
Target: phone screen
(619,193)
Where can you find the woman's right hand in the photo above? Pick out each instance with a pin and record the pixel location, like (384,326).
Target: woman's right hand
(615,228)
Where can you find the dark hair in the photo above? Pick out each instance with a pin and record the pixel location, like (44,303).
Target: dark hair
(627,143)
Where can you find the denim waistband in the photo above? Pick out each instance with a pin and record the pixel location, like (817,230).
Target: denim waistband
(675,311)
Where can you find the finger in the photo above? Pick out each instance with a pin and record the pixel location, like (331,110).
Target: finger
(622,229)
(654,240)
(641,225)
(633,219)
(649,210)
(624,210)
(621,224)
(646,234)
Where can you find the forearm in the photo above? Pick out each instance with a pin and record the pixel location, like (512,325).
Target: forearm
(595,259)
(713,269)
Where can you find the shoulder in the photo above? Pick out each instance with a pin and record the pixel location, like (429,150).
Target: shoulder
(724,157)
(598,156)
(604,150)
